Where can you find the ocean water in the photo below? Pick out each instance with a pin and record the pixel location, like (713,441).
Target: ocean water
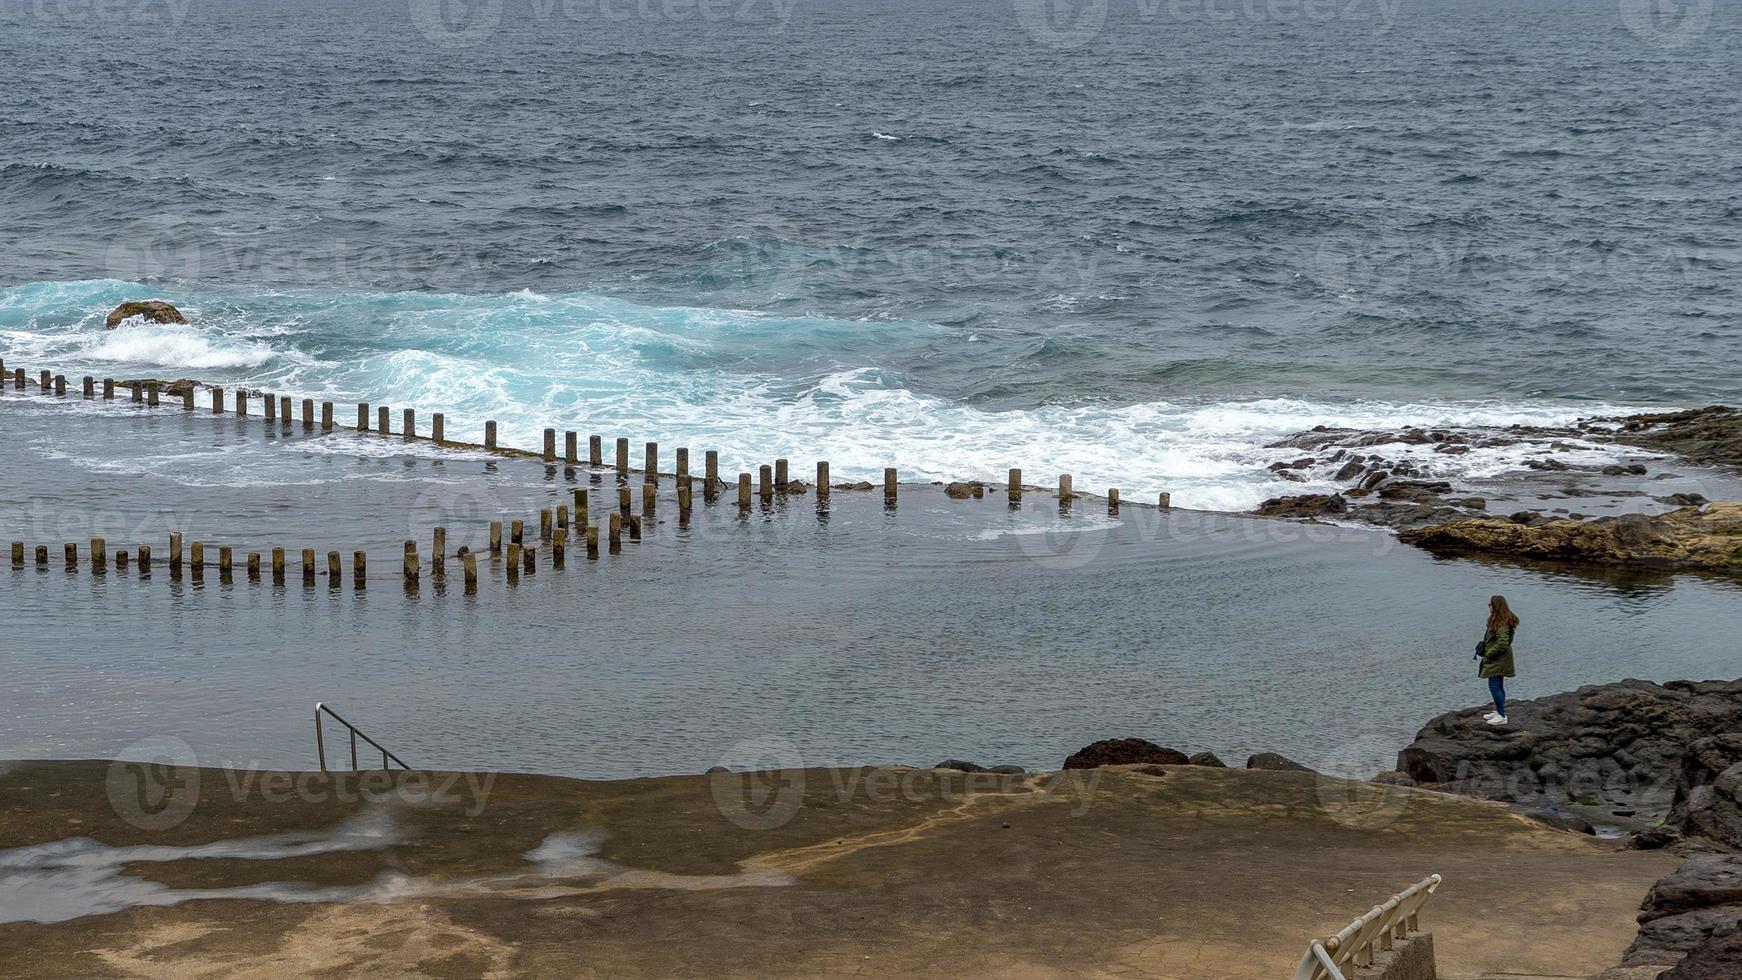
(1132,240)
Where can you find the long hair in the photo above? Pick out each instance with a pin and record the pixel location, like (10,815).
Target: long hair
(1500,614)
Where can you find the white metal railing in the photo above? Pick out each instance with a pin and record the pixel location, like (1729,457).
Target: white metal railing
(1329,959)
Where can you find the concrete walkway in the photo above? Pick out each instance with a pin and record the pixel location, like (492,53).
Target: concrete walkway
(1197,873)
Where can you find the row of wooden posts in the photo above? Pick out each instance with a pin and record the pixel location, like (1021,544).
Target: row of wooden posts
(770,478)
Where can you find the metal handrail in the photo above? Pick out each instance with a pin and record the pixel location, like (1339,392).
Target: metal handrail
(1399,916)
(356,733)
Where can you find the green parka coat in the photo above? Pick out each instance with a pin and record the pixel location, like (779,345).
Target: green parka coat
(1497,653)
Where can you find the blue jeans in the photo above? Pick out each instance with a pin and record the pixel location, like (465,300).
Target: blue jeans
(1497,687)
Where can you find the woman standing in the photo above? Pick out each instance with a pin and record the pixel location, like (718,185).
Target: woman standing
(1495,652)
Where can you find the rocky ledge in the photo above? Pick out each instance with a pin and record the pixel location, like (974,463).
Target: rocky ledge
(152,310)
(1699,537)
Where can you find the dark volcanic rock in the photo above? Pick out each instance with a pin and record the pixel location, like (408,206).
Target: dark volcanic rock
(1703,435)
(1619,745)
(1692,537)
(1555,816)
(153,310)
(959,766)
(1209,759)
(1308,505)
(1275,763)
(1718,958)
(962,491)
(1124,752)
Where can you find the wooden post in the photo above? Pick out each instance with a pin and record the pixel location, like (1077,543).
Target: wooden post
(622,455)
(145,559)
(529,558)
(326,416)
(513,562)
(99,555)
(595,451)
(360,570)
(45,381)
(1113,500)
(109,389)
(17,554)
(197,558)
(634,528)
(284,409)
(1065,489)
(137,390)
(41,549)
(362,416)
(187,398)
(278,566)
(411,567)
(241,401)
(253,566)
(743,491)
(571,447)
(781,476)
(683,497)
(175,554)
(517,532)
(60,385)
(649,498)
(623,501)
(683,462)
(471,565)
(550,445)
(650,469)
(438,553)
(765,480)
(308,413)
(437,427)
(151,393)
(335,574)
(90,387)
(408,423)
(593,541)
(1165,501)
(616,526)
(558,543)
(224,560)
(308,566)
(217,401)
(495,537)
(18,379)
(822,478)
(121,559)
(545,524)
(381,417)
(72,557)
(490,435)
(271,408)
(1015,482)
(889,482)
(582,518)
(562,517)
(710,472)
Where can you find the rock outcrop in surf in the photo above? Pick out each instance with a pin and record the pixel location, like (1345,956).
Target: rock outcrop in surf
(1699,537)
(153,310)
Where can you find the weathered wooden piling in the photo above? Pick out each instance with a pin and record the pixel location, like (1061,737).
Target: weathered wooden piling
(710,472)
(634,528)
(284,409)
(174,554)
(470,562)
(253,566)
(136,391)
(582,517)
(1113,500)
(550,445)
(562,516)
(197,557)
(649,498)
(72,557)
(593,541)
(495,537)
(408,423)
(326,416)
(1065,494)
(622,454)
(217,401)
(438,553)
(781,476)
(270,407)
(151,393)
(121,559)
(595,450)
(362,416)
(438,427)
(360,570)
(145,559)
(60,385)
(335,573)
(513,564)
(571,447)
(308,413)
(616,530)
(529,560)
(41,549)
(277,566)
(765,481)
(90,387)
(108,388)
(241,401)
(623,501)
(546,524)
(822,479)
(411,565)
(517,532)
(224,560)
(17,554)
(382,415)
(489,434)
(743,491)
(99,556)
(1015,485)
(889,484)
(683,497)
(308,566)
(1165,501)
(558,544)
(45,381)
(650,469)
(683,462)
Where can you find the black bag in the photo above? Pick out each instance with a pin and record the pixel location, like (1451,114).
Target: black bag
(1480,646)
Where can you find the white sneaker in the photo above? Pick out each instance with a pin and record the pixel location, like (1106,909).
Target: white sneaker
(1496,719)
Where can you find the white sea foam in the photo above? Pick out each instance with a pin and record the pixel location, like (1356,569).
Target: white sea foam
(176,346)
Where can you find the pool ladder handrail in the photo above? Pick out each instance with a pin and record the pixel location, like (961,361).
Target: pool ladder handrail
(356,733)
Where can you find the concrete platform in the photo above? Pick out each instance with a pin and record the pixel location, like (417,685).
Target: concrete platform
(1197,873)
